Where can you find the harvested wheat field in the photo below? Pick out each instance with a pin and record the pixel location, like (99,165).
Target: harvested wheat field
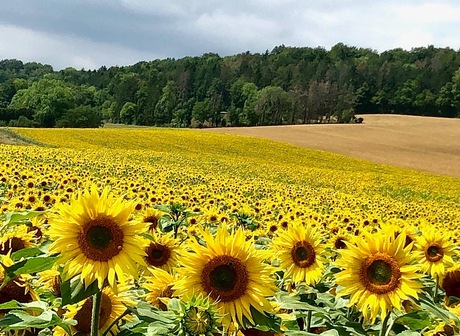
(421,143)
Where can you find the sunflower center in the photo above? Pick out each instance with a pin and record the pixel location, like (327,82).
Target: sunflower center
(225,278)
(13,244)
(14,290)
(340,244)
(434,253)
(451,283)
(303,254)
(101,239)
(158,254)
(83,316)
(380,273)
(153,222)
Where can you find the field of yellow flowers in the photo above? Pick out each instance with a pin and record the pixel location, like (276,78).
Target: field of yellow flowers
(157,231)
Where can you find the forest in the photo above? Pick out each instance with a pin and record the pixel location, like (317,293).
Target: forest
(287,85)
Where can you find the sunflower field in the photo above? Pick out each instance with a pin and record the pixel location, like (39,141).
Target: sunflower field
(143,231)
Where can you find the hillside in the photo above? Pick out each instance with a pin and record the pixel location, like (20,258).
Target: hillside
(422,143)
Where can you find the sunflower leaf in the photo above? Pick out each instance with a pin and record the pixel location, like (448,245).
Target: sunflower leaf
(19,217)
(73,290)
(17,320)
(26,253)
(266,321)
(415,320)
(35,305)
(29,265)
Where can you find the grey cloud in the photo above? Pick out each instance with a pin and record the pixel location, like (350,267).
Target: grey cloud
(135,28)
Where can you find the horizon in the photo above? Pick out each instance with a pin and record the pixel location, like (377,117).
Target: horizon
(231,55)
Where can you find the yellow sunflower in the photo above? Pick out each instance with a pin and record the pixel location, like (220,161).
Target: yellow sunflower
(21,237)
(378,274)
(300,251)
(152,217)
(18,288)
(434,252)
(231,272)
(49,281)
(162,251)
(112,307)
(450,282)
(96,239)
(159,288)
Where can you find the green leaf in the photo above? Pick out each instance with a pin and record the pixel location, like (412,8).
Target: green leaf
(146,313)
(427,304)
(13,304)
(267,322)
(16,217)
(26,253)
(416,320)
(164,208)
(30,265)
(73,290)
(293,302)
(16,320)
(166,224)
(409,333)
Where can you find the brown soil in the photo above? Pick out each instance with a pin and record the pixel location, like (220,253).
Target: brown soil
(421,143)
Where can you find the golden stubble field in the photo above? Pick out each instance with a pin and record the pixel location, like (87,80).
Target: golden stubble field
(421,143)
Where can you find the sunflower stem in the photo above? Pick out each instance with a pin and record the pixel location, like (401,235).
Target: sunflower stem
(97,301)
(109,328)
(436,288)
(384,325)
(309,314)
(309,320)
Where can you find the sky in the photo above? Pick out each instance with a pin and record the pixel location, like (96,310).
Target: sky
(91,33)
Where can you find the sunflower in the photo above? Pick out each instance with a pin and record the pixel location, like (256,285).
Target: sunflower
(231,272)
(49,281)
(21,237)
(199,317)
(162,251)
(18,288)
(38,227)
(299,250)
(434,252)
(95,238)
(159,288)
(112,308)
(378,274)
(152,216)
(396,227)
(450,282)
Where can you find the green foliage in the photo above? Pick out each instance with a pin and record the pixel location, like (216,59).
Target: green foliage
(73,290)
(285,86)
(81,116)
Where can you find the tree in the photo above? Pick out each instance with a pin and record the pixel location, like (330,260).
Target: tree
(128,112)
(166,105)
(202,112)
(49,97)
(81,116)
(273,106)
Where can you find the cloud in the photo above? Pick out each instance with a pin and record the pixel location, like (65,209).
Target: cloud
(92,33)
(31,46)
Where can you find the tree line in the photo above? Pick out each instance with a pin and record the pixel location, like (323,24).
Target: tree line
(288,85)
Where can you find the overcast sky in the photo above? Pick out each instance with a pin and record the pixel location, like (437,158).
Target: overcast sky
(91,33)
